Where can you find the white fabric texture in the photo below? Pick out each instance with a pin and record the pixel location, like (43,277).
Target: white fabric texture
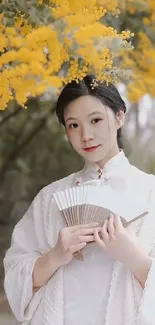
(86,288)
(98,290)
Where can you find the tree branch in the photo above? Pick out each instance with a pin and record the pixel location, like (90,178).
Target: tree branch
(20,147)
(8,117)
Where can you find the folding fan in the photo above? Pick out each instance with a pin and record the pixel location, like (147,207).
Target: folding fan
(86,204)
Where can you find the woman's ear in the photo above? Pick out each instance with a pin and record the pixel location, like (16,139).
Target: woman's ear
(120,117)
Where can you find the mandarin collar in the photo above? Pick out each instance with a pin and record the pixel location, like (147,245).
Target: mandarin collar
(114,168)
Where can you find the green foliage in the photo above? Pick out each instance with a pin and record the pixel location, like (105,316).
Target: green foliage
(29,9)
(34,152)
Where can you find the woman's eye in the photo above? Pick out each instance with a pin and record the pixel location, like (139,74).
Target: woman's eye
(96,120)
(73,126)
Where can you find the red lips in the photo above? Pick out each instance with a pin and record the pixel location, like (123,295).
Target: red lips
(90,149)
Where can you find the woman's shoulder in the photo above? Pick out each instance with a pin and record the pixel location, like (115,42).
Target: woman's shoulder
(60,184)
(141,176)
(42,199)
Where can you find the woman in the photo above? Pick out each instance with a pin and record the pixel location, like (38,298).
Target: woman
(115,284)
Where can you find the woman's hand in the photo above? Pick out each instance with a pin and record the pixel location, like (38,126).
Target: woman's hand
(121,243)
(70,240)
(73,239)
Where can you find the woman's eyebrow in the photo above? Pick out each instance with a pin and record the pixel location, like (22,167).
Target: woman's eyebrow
(94,113)
(91,114)
(70,118)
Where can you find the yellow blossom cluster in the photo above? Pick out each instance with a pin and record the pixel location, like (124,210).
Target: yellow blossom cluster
(110,6)
(33,60)
(142,62)
(76,13)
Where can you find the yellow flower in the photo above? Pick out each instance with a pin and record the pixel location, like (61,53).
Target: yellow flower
(3,42)
(110,5)
(75,72)
(22,27)
(86,35)
(53,81)
(60,12)
(127,34)
(5,93)
(10,31)
(15,42)
(75,44)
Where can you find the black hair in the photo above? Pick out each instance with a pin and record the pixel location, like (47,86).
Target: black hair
(107,93)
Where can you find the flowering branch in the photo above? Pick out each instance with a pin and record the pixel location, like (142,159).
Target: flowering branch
(36,59)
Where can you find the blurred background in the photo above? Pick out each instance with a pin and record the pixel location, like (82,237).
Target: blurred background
(33,148)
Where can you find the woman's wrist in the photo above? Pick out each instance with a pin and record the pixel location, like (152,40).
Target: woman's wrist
(140,268)
(45,267)
(54,258)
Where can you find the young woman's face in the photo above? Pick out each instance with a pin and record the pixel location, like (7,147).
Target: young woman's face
(92,129)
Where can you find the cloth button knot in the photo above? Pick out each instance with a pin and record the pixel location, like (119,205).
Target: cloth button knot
(100,173)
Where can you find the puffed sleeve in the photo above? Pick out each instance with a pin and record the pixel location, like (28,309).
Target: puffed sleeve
(28,239)
(147,306)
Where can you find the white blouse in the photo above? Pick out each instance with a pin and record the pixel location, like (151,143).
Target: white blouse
(86,288)
(87,283)
(98,290)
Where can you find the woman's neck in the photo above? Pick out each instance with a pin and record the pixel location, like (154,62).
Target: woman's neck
(112,153)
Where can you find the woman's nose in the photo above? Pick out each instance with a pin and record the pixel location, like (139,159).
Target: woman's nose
(86,135)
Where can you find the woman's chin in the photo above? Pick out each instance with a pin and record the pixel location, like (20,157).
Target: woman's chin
(92,157)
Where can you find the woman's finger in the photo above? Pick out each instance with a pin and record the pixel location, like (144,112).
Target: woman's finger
(110,227)
(117,223)
(77,247)
(86,239)
(84,226)
(98,240)
(104,232)
(81,235)
(87,231)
